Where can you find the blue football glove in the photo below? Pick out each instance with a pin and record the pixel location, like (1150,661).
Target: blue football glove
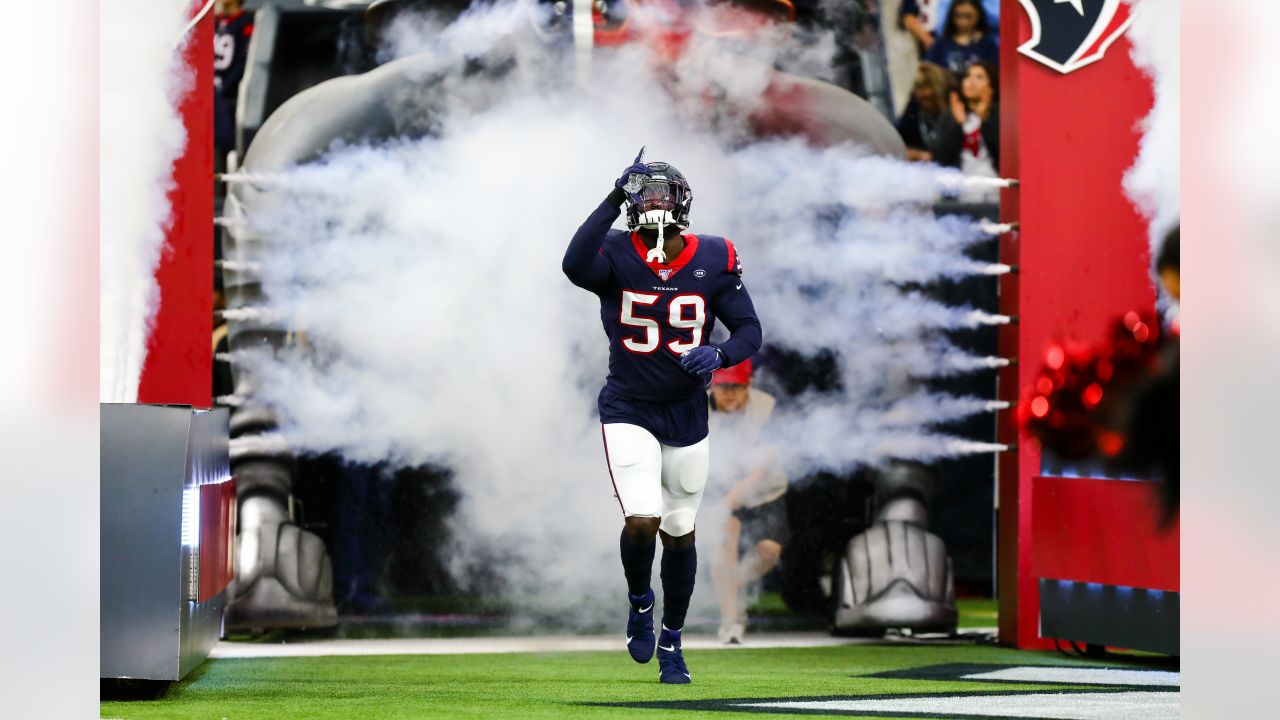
(702,361)
(627,182)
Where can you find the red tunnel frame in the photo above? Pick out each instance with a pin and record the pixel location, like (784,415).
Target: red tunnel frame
(1081,251)
(1082,254)
(178,368)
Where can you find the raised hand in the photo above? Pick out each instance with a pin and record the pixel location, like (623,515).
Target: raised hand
(633,177)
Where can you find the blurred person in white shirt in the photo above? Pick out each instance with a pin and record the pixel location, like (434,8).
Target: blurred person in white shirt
(746,467)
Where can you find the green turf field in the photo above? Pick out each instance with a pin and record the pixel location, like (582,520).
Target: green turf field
(550,685)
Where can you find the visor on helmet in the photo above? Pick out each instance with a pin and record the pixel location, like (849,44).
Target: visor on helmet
(656,195)
(656,202)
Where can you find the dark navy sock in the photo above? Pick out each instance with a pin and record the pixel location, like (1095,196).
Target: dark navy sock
(679,567)
(637,564)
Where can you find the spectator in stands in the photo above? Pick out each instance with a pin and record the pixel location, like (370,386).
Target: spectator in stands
(232,30)
(901,55)
(1155,423)
(968,136)
(920,18)
(991,6)
(965,38)
(1149,413)
(754,506)
(918,125)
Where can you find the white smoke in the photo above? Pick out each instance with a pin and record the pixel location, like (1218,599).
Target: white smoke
(424,275)
(142,80)
(1155,180)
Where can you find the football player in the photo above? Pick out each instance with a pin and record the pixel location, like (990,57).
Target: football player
(661,290)
(232,31)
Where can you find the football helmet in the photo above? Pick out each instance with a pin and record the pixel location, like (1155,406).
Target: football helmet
(663,198)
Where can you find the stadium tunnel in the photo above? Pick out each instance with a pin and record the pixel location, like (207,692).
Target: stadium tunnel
(312,78)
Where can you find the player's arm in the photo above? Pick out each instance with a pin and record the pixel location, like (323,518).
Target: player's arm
(583,264)
(732,305)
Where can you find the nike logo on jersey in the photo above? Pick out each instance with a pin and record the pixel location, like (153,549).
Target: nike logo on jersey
(738,286)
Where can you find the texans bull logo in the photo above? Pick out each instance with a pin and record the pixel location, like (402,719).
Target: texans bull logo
(1066,35)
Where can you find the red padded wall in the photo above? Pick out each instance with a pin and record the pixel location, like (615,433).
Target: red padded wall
(179,363)
(217,537)
(1081,251)
(1102,531)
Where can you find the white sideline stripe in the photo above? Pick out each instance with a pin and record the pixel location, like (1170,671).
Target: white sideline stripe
(1087,676)
(1135,705)
(554,643)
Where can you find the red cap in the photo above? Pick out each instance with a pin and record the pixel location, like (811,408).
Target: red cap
(739,374)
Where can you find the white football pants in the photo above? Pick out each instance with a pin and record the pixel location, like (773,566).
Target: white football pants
(655,480)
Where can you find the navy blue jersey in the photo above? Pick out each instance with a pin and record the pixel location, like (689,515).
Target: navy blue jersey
(653,313)
(230,49)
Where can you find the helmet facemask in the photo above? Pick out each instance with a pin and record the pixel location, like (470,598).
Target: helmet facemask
(662,199)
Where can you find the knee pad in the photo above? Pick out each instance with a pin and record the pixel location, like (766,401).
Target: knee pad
(635,466)
(685,468)
(678,522)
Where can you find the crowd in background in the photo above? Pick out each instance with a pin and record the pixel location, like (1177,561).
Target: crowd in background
(950,51)
(930,66)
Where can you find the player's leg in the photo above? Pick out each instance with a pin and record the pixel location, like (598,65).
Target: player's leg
(724,576)
(635,466)
(684,476)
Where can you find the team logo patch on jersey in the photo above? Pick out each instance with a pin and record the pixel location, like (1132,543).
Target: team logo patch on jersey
(665,274)
(1066,35)
(699,273)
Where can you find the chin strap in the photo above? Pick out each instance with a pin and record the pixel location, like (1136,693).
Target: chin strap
(656,252)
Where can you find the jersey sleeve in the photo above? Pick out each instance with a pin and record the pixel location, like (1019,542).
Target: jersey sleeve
(732,305)
(583,263)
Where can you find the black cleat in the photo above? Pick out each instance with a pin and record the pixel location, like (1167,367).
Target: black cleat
(640,640)
(671,667)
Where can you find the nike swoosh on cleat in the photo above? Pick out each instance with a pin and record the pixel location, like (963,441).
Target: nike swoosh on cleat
(645,610)
(628,639)
(668,649)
